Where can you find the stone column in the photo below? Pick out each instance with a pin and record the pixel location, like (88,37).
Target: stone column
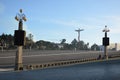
(18,64)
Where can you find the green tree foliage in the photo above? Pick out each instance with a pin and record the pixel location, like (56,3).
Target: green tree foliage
(79,45)
(46,45)
(95,47)
(63,41)
(74,43)
(7,41)
(65,45)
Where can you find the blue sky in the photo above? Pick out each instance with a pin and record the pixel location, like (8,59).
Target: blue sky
(53,20)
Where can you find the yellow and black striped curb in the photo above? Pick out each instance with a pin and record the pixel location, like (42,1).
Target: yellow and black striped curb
(67,62)
(57,63)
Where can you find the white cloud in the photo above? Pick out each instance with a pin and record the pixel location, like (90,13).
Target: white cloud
(93,27)
(113,23)
(69,23)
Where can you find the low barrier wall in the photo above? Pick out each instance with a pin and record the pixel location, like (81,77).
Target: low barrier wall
(57,63)
(65,63)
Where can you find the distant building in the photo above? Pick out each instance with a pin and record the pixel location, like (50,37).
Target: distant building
(111,47)
(60,46)
(114,46)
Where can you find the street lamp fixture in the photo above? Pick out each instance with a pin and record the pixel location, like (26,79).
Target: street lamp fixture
(20,17)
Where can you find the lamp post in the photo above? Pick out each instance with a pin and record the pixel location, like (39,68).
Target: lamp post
(19,40)
(30,37)
(105,41)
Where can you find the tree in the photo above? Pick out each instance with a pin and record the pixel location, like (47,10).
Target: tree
(63,41)
(7,41)
(95,47)
(46,45)
(74,44)
(86,47)
(80,45)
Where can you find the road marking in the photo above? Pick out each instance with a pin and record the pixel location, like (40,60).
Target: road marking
(41,55)
(8,57)
(52,54)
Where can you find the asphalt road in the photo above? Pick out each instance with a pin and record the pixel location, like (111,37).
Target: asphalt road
(43,56)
